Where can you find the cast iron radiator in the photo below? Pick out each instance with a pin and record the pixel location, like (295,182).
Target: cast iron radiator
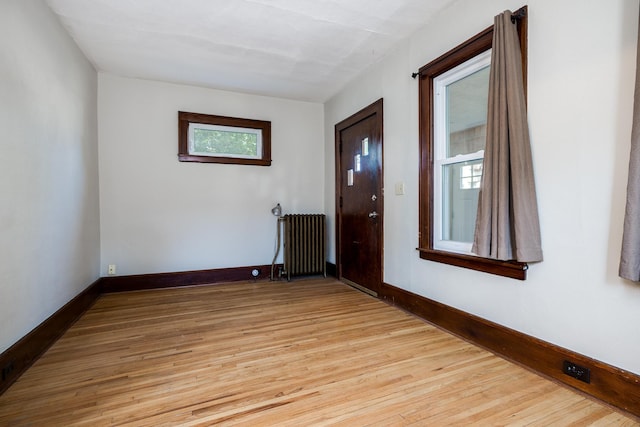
(304,245)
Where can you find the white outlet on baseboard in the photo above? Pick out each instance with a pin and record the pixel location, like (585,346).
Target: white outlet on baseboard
(112,269)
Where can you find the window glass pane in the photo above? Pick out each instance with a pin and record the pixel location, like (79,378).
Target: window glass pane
(209,141)
(466,113)
(460,189)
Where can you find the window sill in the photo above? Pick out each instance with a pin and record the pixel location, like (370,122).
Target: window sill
(227,160)
(512,269)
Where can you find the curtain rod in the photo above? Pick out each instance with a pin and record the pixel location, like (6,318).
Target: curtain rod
(515,16)
(519,14)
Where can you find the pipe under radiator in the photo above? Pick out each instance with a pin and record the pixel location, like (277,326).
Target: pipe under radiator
(304,245)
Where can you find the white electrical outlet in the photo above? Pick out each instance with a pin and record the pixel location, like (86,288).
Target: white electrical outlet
(112,269)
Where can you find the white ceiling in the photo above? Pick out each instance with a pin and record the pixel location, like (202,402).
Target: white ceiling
(298,49)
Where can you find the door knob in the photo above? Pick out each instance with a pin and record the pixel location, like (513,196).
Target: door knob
(373,214)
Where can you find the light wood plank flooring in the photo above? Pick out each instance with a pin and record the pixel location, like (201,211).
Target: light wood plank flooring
(308,352)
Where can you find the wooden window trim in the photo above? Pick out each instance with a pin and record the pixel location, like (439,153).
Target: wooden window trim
(465,51)
(185,118)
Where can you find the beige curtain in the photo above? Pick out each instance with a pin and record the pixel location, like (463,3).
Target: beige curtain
(630,256)
(507,225)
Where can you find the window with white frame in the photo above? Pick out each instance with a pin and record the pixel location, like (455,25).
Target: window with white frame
(459,127)
(219,139)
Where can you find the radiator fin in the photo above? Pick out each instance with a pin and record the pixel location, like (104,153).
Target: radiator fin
(304,245)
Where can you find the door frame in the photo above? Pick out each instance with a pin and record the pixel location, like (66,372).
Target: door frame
(374,109)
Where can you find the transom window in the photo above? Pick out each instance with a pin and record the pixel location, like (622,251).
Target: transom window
(218,139)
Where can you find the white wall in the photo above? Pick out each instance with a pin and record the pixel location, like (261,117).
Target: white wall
(49,213)
(158,214)
(581,73)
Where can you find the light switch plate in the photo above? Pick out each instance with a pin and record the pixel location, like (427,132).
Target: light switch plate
(399,188)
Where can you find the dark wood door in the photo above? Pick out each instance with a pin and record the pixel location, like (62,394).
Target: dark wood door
(359,203)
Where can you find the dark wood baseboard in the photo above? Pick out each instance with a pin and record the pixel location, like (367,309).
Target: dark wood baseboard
(607,383)
(141,282)
(19,357)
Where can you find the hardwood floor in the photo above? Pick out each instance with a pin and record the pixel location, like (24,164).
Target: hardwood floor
(308,352)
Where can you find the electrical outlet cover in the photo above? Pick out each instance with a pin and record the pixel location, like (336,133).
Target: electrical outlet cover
(576,371)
